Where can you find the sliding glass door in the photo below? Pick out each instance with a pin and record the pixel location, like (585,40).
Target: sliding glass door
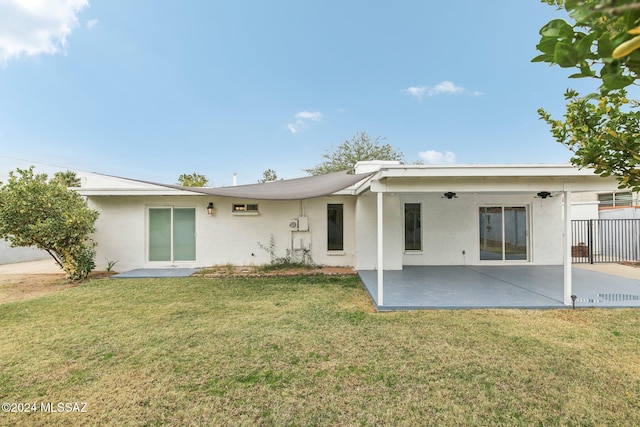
(503,233)
(172,234)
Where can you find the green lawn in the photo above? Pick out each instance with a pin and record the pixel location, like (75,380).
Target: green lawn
(309,351)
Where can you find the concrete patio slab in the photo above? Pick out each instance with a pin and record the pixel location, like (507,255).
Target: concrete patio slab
(463,287)
(150,273)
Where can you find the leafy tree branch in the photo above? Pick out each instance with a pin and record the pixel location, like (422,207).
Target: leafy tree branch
(37,212)
(360,148)
(601,42)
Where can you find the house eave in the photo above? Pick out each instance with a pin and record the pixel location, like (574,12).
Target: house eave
(492,178)
(134,192)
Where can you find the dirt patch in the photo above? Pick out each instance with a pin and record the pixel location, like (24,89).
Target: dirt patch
(19,287)
(250,271)
(635,264)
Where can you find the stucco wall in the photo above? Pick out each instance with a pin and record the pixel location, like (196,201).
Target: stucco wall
(619,213)
(224,237)
(450,227)
(366,232)
(9,255)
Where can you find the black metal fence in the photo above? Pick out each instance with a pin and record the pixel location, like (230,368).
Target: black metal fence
(605,240)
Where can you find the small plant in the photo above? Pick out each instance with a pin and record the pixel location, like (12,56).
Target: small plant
(110,265)
(289,260)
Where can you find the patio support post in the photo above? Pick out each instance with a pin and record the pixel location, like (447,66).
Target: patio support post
(566,248)
(380,262)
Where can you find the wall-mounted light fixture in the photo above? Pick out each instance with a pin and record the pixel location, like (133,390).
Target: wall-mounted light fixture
(449,195)
(544,194)
(210,208)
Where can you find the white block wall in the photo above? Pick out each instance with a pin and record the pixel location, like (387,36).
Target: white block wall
(450,227)
(221,238)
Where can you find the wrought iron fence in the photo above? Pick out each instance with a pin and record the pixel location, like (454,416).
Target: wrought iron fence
(605,240)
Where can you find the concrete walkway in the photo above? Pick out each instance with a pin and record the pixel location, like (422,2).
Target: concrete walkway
(49,266)
(612,268)
(43,266)
(534,287)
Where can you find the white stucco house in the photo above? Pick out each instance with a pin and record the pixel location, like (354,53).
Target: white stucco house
(385,214)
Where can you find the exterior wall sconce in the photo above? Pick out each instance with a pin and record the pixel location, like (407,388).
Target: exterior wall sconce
(544,194)
(210,208)
(449,195)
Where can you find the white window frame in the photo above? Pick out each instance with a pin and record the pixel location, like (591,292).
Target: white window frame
(527,208)
(245,209)
(172,260)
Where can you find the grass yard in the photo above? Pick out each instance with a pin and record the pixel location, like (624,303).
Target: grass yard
(309,351)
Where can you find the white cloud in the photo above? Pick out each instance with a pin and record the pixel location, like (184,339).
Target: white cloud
(446,87)
(433,157)
(416,91)
(35,27)
(306,115)
(92,23)
(296,127)
(303,118)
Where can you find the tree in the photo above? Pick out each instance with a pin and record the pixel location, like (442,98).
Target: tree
(67,178)
(602,135)
(360,148)
(47,215)
(192,180)
(595,43)
(603,43)
(269,175)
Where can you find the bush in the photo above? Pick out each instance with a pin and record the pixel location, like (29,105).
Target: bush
(37,212)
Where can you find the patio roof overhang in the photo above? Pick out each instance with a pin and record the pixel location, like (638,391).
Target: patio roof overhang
(560,180)
(490,179)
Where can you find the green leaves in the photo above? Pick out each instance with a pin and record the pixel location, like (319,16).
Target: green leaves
(602,129)
(192,180)
(603,134)
(41,213)
(557,28)
(588,44)
(360,148)
(613,77)
(565,55)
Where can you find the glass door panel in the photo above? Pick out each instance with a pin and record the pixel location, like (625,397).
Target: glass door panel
(184,234)
(491,242)
(515,233)
(160,234)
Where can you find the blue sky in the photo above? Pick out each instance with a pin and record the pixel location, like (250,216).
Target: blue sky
(150,89)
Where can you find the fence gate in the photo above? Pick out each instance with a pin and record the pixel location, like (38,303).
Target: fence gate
(605,240)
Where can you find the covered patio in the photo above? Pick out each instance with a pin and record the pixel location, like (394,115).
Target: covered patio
(478,236)
(527,287)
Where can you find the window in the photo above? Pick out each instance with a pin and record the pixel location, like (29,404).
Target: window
(172,234)
(615,199)
(244,208)
(335,227)
(503,233)
(412,227)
